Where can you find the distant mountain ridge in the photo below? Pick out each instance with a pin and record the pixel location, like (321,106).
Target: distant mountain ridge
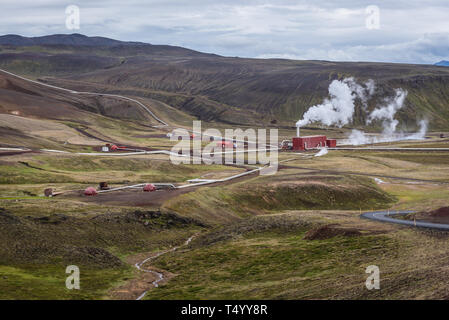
(84,44)
(62,39)
(443,63)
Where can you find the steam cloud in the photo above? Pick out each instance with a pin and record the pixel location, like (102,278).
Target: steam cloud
(358,137)
(387,112)
(339,110)
(321,153)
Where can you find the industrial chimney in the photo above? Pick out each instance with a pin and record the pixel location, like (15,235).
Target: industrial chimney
(297,131)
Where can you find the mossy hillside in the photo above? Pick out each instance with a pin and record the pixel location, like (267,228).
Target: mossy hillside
(89,170)
(286,192)
(33,264)
(270,261)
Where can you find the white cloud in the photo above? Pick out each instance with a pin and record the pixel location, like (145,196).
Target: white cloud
(427,49)
(333,30)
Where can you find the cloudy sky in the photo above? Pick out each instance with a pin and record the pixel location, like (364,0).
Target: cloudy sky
(403,30)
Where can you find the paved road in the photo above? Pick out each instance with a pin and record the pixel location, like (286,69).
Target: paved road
(388,216)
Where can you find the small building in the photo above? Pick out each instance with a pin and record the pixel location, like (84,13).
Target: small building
(331,143)
(309,142)
(90,191)
(104,186)
(48,192)
(149,187)
(105,149)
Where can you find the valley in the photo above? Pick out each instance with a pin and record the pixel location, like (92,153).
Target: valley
(219,231)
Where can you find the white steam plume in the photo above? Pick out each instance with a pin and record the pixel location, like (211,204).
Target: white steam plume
(421,134)
(387,112)
(321,153)
(339,108)
(358,137)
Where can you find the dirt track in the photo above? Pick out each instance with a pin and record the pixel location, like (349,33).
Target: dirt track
(134,198)
(440,215)
(89,94)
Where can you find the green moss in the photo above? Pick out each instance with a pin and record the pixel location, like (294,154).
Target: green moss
(268,265)
(28,282)
(20,174)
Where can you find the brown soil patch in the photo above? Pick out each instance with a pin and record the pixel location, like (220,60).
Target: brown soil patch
(12,153)
(441,212)
(131,198)
(329,231)
(440,215)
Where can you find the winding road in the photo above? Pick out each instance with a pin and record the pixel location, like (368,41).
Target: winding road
(89,93)
(388,216)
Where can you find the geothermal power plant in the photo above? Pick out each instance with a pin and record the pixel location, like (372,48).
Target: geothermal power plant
(304,143)
(312,142)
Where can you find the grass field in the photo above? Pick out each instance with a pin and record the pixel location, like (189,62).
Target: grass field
(277,262)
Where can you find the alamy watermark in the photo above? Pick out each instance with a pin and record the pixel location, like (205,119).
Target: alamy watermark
(72,21)
(373,280)
(236,147)
(372,21)
(73,280)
